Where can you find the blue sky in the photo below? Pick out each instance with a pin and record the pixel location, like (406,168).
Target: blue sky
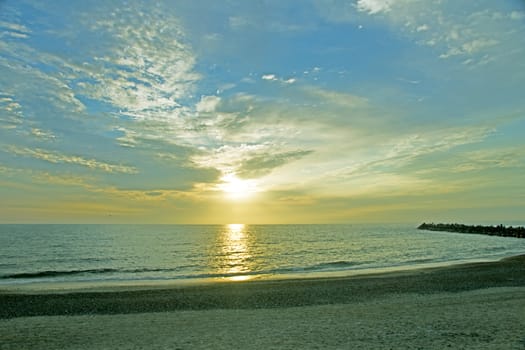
(262,111)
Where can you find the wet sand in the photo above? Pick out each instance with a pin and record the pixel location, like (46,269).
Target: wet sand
(474,306)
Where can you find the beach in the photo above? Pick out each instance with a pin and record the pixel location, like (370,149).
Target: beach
(469,306)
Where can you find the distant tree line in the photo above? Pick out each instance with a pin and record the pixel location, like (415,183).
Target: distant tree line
(499,230)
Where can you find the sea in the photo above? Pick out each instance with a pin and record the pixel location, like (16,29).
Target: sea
(90,255)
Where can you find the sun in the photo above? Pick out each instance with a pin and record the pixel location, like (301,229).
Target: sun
(236,188)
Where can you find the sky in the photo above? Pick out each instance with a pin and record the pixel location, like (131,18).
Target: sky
(262,112)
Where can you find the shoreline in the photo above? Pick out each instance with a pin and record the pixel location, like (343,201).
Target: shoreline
(257,294)
(110,285)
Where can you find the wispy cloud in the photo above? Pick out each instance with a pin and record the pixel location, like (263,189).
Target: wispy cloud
(94,186)
(11,115)
(46,135)
(255,136)
(489,159)
(138,73)
(262,164)
(248,161)
(392,165)
(332,97)
(55,157)
(14,30)
(148,71)
(207,104)
(436,25)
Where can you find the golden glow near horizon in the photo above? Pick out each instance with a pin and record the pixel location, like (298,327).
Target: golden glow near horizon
(176,115)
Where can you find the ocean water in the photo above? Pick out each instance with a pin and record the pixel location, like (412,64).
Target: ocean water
(33,254)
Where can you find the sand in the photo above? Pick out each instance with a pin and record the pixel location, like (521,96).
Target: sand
(475,306)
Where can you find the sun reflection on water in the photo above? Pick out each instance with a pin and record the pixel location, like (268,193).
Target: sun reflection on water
(236,231)
(236,254)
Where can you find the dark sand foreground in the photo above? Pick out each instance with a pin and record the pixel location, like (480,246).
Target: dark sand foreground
(474,306)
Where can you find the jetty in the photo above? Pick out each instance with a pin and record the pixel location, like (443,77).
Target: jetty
(498,230)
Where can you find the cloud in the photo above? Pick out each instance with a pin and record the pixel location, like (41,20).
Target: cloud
(31,84)
(374,6)
(250,130)
(141,196)
(133,69)
(237,22)
(226,158)
(133,79)
(273,77)
(262,164)
(489,159)
(422,28)
(207,104)
(400,152)
(517,15)
(336,98)
(62,180)
(56,158)
(269,77)
(437,141)
(469,48)
(249,160)
(46,135)
(441,25)
(147,70)
(390,164)
(310,131)
(307,115)
(14,30)
(11,112)
(128,139)
(91,185)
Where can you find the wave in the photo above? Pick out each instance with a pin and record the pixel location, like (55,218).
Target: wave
(53,273)
(175,272)
(64,273)
(333,265)
(340,264)
(327,266)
